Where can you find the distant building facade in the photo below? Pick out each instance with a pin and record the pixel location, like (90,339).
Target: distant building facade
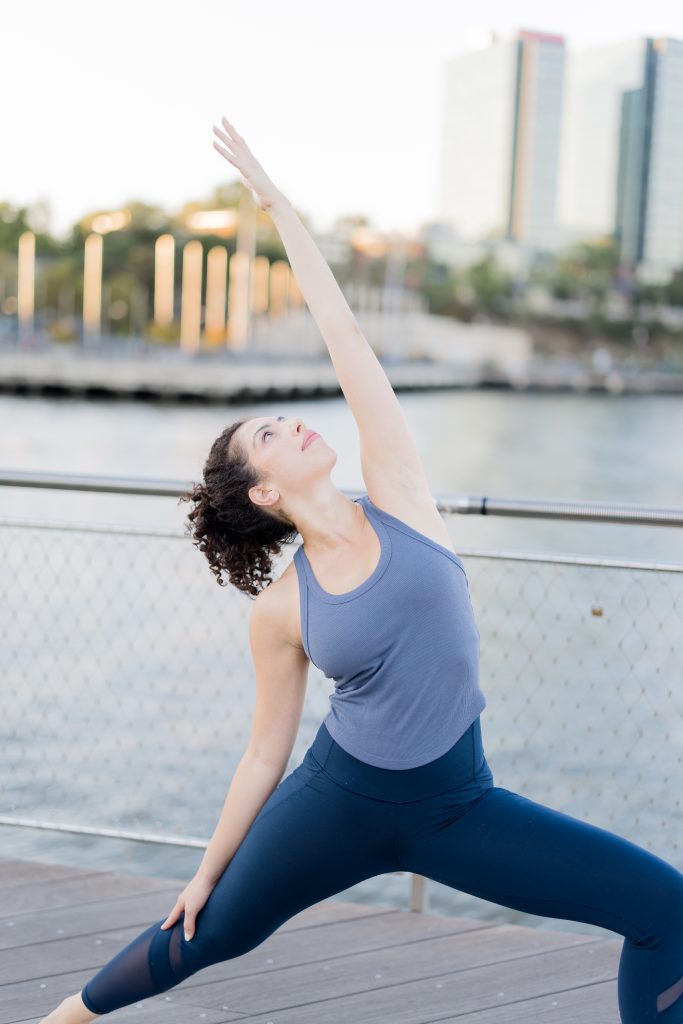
(501,131)
(622,151)
(541,147)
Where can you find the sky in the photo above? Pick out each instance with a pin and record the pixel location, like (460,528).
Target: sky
(339,101)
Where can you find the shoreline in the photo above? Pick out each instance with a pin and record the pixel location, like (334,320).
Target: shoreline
(250,377)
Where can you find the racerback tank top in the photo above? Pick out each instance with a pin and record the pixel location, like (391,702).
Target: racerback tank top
(402,648)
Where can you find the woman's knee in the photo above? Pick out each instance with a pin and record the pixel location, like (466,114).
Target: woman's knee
(222,936)
(661,896)
(672,901)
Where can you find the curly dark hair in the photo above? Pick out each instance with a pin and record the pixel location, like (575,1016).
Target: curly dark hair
(236,535)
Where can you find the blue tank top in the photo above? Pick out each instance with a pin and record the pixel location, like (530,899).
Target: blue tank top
(402,649)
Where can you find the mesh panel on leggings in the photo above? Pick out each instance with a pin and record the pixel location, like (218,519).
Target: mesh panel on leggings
(175,950)
(150,964)
(669,997)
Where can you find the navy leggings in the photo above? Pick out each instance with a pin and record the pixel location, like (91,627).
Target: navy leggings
(335,821)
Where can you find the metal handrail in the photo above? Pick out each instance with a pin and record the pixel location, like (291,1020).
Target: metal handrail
(552,508)
(532,508)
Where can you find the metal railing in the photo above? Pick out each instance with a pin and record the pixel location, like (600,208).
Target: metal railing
(127,679)
(541,508)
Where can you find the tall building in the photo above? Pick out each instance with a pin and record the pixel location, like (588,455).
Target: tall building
(649,191)
(622,151)
(500,140)
(589,154)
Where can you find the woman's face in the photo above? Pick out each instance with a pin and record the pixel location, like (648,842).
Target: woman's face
(273,445)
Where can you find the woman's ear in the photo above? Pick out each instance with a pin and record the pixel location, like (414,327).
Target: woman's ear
(264,495)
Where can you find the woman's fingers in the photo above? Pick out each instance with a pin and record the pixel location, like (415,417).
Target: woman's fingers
(173,916)
(231,129)
(228,142)
(225,154)
(221,135)
(240,156)
(233,138)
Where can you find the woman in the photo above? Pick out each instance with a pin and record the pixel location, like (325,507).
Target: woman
(396,777)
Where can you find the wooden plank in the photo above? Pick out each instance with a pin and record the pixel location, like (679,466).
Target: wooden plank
(87,887)
(13,871)
(590,1004)
(454,994)
(60,923)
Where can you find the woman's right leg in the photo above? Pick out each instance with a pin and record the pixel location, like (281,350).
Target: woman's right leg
(514,851)
(310,840)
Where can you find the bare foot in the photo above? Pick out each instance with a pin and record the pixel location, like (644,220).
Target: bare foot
(71,1010)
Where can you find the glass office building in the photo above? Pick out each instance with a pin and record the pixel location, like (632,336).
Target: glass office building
(621,154)
(658,244)
(501,138)
(589,153)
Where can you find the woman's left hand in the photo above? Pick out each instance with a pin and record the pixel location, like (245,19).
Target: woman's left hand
(240,156)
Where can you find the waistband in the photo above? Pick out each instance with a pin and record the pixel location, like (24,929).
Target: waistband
(463,766)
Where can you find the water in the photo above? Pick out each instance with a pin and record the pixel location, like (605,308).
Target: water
(597,447)
(603,740)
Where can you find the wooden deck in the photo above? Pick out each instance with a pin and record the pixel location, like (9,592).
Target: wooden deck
(335,962)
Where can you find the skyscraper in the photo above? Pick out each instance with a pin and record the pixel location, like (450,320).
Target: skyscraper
(649,200)
(589,153)
(622,151)
(500,140)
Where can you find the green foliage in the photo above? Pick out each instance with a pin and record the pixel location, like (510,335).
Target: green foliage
(580,271)
(491,285)
(166,334)
(670,293)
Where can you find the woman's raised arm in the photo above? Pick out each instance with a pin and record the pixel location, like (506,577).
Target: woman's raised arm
(389,456)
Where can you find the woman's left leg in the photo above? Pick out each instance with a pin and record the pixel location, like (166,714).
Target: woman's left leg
(510,850)
(309,841)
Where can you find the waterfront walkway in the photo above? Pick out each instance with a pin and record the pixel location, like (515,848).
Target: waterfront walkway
(335,962)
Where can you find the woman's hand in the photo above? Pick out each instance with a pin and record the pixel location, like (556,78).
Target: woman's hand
(191,900)
(237,153)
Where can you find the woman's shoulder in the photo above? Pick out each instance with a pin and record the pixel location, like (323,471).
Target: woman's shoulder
(283,596)
(417,511)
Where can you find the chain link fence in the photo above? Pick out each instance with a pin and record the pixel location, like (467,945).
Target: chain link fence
(128,686)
